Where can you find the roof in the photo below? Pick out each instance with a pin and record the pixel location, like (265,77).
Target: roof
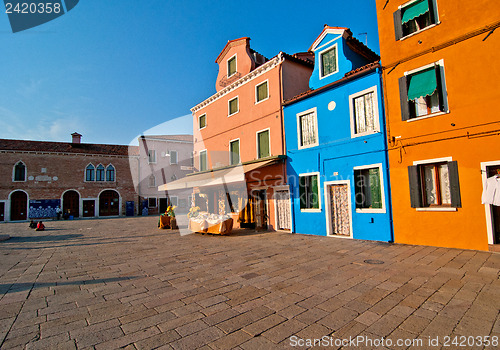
(353,43)
(297,59)
(231,43)
(348,76)
(65,147)
(187,138)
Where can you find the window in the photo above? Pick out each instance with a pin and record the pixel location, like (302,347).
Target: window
(192,159)
(233,106)
(434,184)
(173,157)
(234,150)
(20,172)
(152,181)
(202,121)
(364,112)
(152,156)
(231,66)
(99,174)
(263,146)
(309,191)
(203,160)
(328,61)
(368,188)
(152,202)
(110,173)
(414,17)
(307,125)
(261,92)
(423,92)
(174,200)
(89,172)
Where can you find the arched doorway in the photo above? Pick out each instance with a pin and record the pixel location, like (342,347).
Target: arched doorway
(71,202)
(109,203)
(18,206)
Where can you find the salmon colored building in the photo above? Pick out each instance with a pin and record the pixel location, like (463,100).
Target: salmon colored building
(440,76)
(241,126)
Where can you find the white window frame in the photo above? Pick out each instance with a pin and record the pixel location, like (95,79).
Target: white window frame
(176,200)
(199,159)
(106,173)
(312,210)
(176,157)
(229,108)
(488,207)
(256,95)
(85,173)
(328,207)
(236,65)
(382,210)
(239,151)
(152,176)
(443,89)
(149,157)
(104,177)
(199,117)
(320,64)
(14,172)
(275,190)
(406,4)
(299,135)
(352,112)
(257,142)
(432,161)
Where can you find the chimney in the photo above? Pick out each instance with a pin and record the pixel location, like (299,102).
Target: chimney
(77,138)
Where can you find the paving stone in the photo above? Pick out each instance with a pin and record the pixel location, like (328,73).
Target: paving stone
(199,339)
(283,330)
(230,341)
(157,340)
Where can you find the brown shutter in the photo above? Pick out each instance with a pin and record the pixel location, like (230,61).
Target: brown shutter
(415,190)
(403,95)
(456,200)
(398,24)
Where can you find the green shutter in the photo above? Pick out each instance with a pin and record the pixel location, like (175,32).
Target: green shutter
(235,152)
(231,66)
(415,187)
(415,10)
(329,62)
(262,92)
(203,161)
(375,188)
(456,200)
(233,106)
(422,84)
(264,144)
(203,121)
(314,203)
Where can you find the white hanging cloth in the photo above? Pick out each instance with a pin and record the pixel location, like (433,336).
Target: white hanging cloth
(491,191)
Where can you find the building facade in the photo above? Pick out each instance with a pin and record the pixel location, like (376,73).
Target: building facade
(440,76)
(162,159)
(241,126)
(84,180)
(336,144)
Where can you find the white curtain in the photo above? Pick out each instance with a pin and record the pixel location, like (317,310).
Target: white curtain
(308,128)
(365,116)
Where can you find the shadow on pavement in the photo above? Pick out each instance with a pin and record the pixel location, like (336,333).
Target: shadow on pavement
(44,238)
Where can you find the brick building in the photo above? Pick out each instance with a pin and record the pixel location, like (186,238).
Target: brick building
(86,180)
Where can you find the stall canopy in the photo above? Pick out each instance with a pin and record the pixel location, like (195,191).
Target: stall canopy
(217,177)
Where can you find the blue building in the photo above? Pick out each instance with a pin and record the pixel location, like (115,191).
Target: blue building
(337,164)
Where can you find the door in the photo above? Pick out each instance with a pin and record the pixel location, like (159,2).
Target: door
(18,206)
(260,209)
(340,216)
(2,211)
(109,203)
(495,210)
(71,203)
(163,205)
(88,208)
(283,209)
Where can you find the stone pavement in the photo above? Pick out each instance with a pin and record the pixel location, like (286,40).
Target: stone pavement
(122,283)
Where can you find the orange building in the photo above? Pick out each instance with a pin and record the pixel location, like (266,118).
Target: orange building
(241,126)
(440,75)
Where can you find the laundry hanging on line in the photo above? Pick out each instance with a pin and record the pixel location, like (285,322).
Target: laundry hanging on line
(491,191)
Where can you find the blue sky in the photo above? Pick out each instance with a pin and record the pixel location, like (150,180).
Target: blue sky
(111,70)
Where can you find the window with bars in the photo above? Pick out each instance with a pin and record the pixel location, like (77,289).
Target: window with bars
(434,185)
(309,191)
(328,60)
(307,128)
(261,92)
(368,188)
(414,17)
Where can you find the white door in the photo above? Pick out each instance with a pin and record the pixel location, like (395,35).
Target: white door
(340,210)
(283,215)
